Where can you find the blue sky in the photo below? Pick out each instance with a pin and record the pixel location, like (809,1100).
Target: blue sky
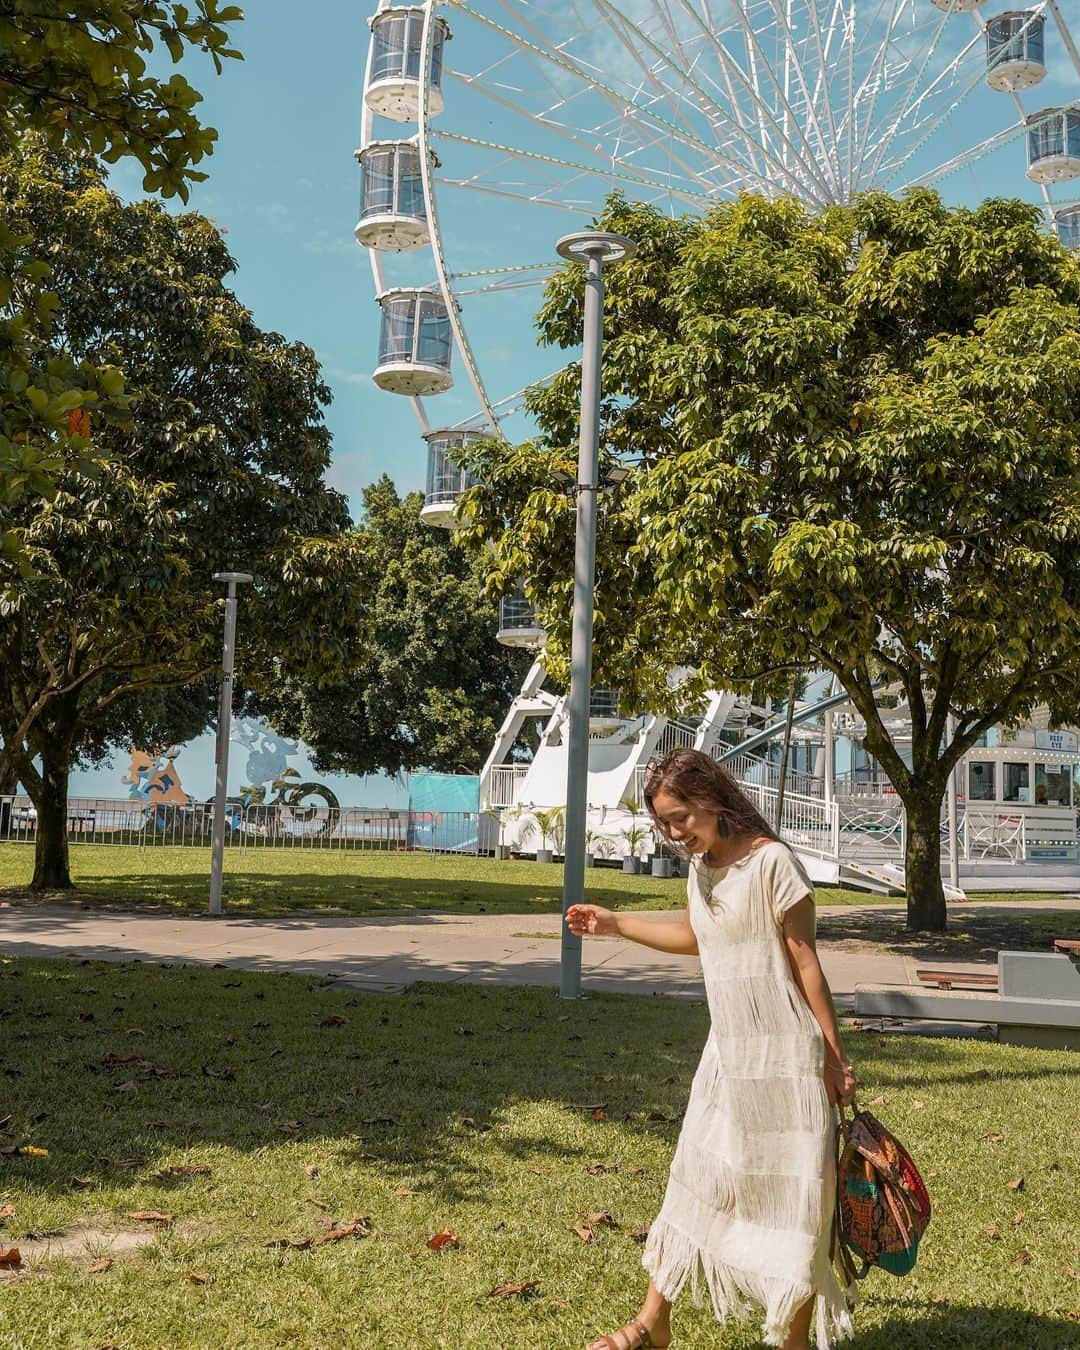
(285,186)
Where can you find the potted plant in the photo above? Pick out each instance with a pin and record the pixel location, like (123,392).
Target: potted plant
(661,864)
(525,828)
(547,822)
(634,836)
(592,845)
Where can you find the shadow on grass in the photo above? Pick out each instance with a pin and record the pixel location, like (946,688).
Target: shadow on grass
(280,894)
(968,1328)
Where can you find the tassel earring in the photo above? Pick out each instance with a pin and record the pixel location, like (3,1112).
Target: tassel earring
(723,829)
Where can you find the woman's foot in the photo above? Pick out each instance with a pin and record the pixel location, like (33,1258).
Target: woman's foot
(640,1333)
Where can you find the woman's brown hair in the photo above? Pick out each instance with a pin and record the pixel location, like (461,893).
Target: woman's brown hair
(695,779)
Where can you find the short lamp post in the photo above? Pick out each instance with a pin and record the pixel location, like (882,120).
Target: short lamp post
(595,249)
(221,749)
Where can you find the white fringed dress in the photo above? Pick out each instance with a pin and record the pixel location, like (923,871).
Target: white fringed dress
(749,1203)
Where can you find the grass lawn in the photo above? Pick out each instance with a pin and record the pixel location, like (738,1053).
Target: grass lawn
(273,883)
(303,1108)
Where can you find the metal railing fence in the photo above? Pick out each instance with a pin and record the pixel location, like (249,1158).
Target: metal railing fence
(123,821)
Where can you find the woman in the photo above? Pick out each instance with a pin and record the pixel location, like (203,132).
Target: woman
(749,1203)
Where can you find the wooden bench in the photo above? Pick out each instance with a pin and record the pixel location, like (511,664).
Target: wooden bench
(1070,946)
(958,979)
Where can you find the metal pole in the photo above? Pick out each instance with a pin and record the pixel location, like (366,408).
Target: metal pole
(954,843)
(221,748)
(594,250)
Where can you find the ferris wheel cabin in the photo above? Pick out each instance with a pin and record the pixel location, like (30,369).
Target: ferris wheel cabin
(393,214)
(414,346)
(394,88)
(518,624)
(1014,50)
(1068,226)
(1054,145)
(446,478)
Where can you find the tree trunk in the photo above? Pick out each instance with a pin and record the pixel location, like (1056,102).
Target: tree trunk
(51,871)
(922,861)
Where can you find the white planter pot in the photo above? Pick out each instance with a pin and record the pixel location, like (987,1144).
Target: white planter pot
(630,866)
(544,855)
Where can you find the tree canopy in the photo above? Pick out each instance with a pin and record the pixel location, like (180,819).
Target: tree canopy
(220,466)
(855,442)
(74,73)
(429,686)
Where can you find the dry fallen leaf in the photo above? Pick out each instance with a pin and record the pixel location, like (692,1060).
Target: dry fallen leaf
(404,1191)
(585,1234)
(599,1169)
(640,1234)
(442,1240)
(148,1216)
(1022,1258)
(356,1227)
(515,1290)
(1073,1274)
(878,1101)
(600,1219)
(991,1232)
(333,1020)
(994,1138)
(538,1171)
(100,1267)
(182,1171)
(1017,1185)
(1018,1219)
(917,1105)
(10,1258)
(598,1114)
(7,1212)
(280,1244)
(197,1277)
(939,1299)
(312,1171)
(129,1086)
(81,1183)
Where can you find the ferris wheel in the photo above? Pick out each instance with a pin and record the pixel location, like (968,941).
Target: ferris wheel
(475,153)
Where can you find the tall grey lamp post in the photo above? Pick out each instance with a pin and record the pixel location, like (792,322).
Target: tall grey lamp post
(595,249)
(221,749)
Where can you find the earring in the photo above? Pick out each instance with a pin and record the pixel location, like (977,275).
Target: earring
(723,829)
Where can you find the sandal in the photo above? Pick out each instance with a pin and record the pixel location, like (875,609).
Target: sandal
(619,1340)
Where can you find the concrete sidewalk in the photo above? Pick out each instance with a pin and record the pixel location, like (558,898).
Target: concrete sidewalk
(385,954)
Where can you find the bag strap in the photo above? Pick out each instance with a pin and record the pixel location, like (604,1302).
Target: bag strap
(838,1249)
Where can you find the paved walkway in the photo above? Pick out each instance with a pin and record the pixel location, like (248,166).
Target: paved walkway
(385,954)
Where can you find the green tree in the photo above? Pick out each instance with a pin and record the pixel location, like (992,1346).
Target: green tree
(430,685)
(221,466)
(856,442)
(74,72)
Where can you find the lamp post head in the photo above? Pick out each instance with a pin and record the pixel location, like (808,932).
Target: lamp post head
(234,578)
(587,244)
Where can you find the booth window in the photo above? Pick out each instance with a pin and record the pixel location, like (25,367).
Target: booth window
(1017,786)
(1052,784)
(981,781)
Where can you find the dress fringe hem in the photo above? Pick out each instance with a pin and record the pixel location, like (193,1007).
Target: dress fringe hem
(673,1261)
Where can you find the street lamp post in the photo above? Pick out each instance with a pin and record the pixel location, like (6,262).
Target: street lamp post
(221,749)
(594,249)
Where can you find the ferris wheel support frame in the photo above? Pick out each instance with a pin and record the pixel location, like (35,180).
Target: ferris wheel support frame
(453,310)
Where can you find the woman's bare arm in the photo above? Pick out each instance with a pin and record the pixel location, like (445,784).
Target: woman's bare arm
(664,935)
(808,975)
(667,935)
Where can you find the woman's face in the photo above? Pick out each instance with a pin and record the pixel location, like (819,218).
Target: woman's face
(692,826)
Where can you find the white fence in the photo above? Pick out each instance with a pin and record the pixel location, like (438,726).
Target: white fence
(126,821)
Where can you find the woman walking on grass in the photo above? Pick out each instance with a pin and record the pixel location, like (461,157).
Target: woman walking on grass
(749,1203)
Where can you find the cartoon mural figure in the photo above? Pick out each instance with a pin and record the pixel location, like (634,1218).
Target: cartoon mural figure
(303,806)
(154,778)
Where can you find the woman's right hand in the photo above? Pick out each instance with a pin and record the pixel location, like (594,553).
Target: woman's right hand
(594,920)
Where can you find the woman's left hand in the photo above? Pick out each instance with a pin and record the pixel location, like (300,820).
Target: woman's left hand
(840,1081)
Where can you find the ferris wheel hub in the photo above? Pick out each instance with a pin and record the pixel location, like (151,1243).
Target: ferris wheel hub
(586,244)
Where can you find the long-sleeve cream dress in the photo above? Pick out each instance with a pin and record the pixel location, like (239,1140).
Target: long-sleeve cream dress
(749,1203)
